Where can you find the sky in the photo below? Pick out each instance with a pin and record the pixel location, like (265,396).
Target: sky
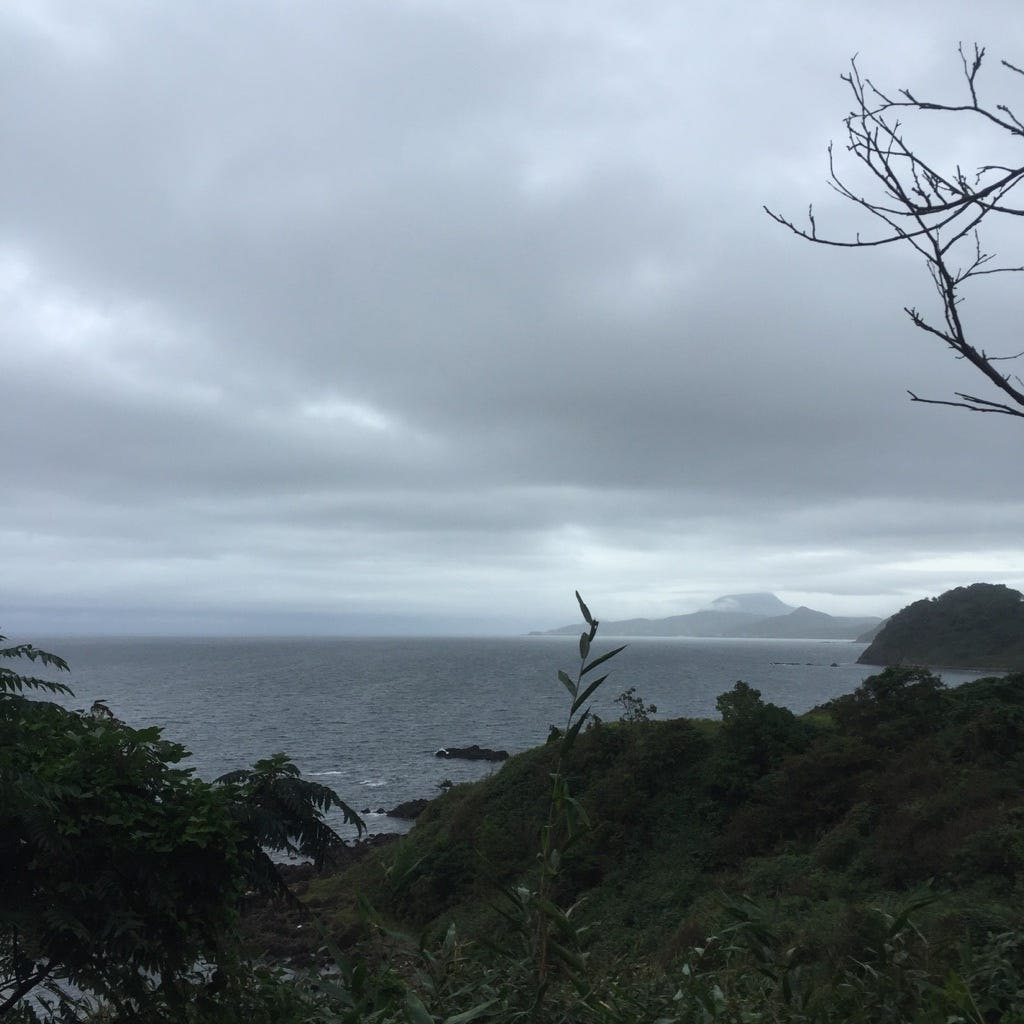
(350,316)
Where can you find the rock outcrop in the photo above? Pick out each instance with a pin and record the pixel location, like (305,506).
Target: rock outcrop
(410,810)
(473,753)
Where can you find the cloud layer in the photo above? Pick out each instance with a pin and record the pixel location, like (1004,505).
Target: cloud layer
(420,315)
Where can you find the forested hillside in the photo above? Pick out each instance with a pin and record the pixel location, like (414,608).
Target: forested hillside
(980,626)
(840,865)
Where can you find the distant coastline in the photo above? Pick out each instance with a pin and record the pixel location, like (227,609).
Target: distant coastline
(760,616)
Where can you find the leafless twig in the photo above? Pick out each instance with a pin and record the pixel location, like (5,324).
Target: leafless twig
(938,212)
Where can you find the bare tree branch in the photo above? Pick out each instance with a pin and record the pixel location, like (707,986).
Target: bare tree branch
(970,402)
(936,212)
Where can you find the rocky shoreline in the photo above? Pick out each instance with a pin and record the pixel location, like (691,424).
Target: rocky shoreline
(281,929)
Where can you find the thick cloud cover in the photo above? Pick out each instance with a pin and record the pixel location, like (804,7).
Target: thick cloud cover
(416,316)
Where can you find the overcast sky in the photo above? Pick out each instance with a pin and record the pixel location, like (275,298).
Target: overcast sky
(414,315)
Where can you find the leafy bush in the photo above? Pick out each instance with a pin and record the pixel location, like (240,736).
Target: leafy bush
(633,707)
(754,738)
(121,871)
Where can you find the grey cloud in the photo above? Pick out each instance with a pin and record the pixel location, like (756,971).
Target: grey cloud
(387,301)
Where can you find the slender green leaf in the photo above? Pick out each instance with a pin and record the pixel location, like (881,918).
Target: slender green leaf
(567,682)
(584,696)
(415,1011)
(558,917)
(574,960)
(586,611)
(578,811)
(472,1014)
(450,936)
(604,657)
(902,919)
(584,646)
(573,730)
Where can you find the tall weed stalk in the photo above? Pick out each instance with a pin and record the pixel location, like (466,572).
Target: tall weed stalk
(556,936)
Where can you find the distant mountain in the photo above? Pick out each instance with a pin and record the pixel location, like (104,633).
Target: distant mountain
(706,623)
(806,624)
(740,615)
(980,626)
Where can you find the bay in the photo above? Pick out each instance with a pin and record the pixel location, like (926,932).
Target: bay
(366,715)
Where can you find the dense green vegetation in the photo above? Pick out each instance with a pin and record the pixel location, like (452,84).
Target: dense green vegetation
(862,862)
(121,873)
(980,626)
(901,784)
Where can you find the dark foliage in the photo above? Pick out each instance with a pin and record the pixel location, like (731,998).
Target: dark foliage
(120,873)
(980,626)
(879,791)
(117,865)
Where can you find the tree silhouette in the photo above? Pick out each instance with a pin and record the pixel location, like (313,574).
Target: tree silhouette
(936,209)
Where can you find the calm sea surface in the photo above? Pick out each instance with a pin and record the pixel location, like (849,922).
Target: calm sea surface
(365,716)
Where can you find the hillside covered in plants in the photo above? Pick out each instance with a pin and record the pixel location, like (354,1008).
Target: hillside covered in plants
(980,626)
(860,862)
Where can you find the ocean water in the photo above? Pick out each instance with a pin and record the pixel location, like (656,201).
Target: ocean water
(366,715)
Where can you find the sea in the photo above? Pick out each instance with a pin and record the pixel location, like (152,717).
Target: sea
(366,716)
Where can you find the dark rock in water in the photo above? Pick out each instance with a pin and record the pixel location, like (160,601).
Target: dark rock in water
(410,810)
(473,753)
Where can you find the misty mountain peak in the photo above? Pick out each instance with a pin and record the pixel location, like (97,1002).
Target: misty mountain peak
(751,604)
